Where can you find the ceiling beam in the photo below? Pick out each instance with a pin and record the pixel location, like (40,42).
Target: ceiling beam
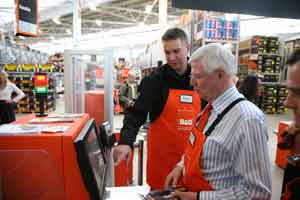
(135,11)
(108,22)
(101,10)
(152,6)
(127,3)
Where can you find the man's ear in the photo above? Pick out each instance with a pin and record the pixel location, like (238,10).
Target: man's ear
(220,74)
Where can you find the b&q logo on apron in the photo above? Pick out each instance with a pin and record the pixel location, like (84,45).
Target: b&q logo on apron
(184,119)
(185,122)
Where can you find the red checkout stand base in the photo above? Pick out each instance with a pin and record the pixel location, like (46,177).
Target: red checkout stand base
(92,98)
(281,155)
(123,173)
(42,166)
(45,165)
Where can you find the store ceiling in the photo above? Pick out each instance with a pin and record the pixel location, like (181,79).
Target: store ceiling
(114,14)
(268,8)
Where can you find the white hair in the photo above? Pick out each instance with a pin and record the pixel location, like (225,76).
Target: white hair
(215,56)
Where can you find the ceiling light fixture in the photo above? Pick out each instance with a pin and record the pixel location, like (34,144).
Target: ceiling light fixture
(98,22)
(92,6)
(56,20)
(148,9)
(68,31)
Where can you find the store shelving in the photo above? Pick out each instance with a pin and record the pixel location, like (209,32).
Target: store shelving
(29,104)
(58,61)
(214,27)
(260,55)
(274,95)
(11,52)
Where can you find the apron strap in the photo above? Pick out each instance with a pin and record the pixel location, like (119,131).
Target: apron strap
(221,115)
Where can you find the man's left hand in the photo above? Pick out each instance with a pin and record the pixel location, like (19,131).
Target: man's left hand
(185,195)
(9,101)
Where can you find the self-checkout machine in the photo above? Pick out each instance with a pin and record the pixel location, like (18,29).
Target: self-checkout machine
(76,97)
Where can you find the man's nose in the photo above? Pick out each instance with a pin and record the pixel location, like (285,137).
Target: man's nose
(172,56)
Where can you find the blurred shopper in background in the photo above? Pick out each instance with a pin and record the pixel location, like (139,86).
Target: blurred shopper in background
(7,103)
(128,92)
(251,87)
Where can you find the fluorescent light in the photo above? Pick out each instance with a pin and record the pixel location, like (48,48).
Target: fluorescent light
(92,6)
(148,9)
(56,20)
(68,31)
(98,22)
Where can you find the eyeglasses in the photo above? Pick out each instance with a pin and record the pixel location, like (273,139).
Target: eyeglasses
(196,76)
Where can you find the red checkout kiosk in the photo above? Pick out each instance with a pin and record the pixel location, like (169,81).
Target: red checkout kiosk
(66,165)
(69,165)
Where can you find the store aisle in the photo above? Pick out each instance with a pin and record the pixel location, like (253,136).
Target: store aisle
(60,107)
(277,173)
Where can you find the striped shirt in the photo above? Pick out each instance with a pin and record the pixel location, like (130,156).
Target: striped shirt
(235,158)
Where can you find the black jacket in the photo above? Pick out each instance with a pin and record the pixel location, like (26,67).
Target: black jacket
(152,96)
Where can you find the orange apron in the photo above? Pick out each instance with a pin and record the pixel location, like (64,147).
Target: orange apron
(123,75)
(290,188)
(168,135)
(287,194)
(193,178)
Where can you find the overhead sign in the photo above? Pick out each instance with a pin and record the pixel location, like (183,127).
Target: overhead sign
(27,17)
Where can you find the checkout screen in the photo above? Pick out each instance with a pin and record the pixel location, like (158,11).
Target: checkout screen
(95,157)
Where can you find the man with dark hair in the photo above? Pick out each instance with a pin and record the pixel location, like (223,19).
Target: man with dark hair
(291,180)
(174,34)
(172,106)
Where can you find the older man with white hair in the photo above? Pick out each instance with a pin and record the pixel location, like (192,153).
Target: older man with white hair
(227,155)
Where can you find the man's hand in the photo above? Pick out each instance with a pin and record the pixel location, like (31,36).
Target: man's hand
(173,177)
(121,152)
(290,139)
(9,101)
(185,195)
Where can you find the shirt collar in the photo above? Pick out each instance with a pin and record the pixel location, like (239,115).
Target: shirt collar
(224,100)
(186,73)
